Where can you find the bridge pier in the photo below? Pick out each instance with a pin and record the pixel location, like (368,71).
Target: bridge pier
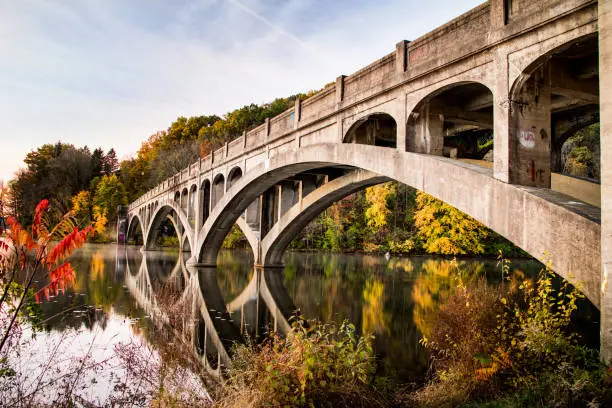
(605,78)
(530,117)
(429,130)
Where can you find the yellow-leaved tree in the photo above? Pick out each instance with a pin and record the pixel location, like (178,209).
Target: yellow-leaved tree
(377,196)
(445,230)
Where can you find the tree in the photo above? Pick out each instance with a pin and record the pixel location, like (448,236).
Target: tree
(110,194)
(377,212)
(55,172)
(97,158)
(172,160)
(446,230)
(3,198)
(81,207)
(110,164)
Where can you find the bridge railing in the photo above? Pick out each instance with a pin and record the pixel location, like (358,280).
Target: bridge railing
(314,107)
(235,147)
(256,137)
(281,124)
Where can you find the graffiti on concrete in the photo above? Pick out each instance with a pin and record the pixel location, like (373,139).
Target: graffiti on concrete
(527,138)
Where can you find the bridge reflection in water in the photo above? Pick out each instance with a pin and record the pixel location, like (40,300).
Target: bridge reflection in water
(188,301)
(396,300)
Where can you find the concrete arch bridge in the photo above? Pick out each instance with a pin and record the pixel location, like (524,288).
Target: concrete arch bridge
(477,113)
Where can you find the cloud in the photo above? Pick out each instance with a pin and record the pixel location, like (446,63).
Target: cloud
(110,73)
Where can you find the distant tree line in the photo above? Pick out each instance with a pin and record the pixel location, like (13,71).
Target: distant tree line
(60,171)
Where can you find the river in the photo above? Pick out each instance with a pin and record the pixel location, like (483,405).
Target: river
(117,299)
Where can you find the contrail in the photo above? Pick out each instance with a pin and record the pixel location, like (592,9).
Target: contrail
(270,24)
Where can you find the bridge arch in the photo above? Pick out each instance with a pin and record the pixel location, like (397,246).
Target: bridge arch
(555,95)
(233,176)
(218,189)
(297,217)
(192,207)
(134,225)
(184,199)
(375,129)
(165,209)
(521,215)
(205,195)
(177,197)
(453,120)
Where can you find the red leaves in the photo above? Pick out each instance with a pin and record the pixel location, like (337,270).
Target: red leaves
(60,278)
(18,235)
(69,243)
(38,212)
(63,274)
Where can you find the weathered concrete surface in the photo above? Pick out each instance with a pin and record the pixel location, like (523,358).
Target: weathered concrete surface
(537,220)
(605,63)
(580,189)
(584,190)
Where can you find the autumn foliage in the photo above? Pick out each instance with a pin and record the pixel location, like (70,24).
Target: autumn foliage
(24,255)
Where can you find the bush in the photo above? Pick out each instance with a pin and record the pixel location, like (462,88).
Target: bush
(235,239)
(171,241)
(511,344)
(321,365)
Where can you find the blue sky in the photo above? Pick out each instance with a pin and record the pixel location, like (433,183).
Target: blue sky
(112,72)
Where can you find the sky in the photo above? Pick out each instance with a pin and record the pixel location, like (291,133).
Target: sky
(110,73)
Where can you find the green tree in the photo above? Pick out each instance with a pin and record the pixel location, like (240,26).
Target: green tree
(110,193)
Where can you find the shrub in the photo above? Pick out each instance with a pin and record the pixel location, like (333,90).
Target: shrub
(320,365)
(171,241)
(511,343)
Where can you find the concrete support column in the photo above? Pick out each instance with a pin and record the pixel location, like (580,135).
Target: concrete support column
(198,210)
(267,211)
(189,206)
(297,112)
(309,184)
(501,117)
(530,131)
(288,197)
(430,130)
(278,203)
(300,192)
(211,195)
(267,127)
(252,215)
(402,123)
(605,82)
(498,13)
